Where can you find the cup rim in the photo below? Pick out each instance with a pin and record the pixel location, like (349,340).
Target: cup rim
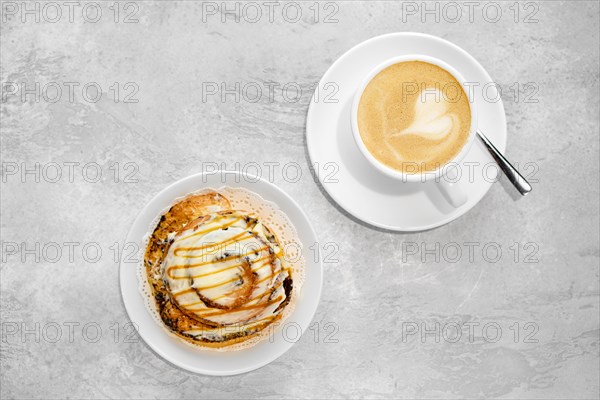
(394,173)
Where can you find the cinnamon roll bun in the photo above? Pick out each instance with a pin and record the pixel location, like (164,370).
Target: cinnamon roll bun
(219,276)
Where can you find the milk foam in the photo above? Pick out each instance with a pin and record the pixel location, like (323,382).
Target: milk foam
(408,131)
(432,117)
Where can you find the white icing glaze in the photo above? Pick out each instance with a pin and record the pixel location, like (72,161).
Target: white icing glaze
(225,272)
(293,262)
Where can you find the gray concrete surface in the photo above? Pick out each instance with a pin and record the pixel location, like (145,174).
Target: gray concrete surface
(528,317)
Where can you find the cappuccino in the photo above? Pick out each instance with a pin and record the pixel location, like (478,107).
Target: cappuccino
(414,117)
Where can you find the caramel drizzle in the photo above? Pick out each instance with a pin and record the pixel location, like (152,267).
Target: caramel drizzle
(233,266)
(249,324)
(249,300)
(187,266)
(252,307)
(239,308)
(212,246)
(209,246)
(192,290)
(223,282)
(254,269)
(234,291)
(268,317)
(228,224)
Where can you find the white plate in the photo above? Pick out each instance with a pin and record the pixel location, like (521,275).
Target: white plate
(355,184)
(210,362)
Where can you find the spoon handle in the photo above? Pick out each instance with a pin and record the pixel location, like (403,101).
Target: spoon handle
(511,172)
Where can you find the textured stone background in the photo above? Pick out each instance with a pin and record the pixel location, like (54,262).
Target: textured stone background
(369,294)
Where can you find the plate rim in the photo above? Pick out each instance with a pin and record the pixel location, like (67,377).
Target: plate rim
(309,116)
(125,298)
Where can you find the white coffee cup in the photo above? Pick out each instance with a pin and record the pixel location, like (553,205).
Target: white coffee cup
(445,175)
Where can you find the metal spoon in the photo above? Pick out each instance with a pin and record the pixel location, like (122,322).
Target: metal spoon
(511,172)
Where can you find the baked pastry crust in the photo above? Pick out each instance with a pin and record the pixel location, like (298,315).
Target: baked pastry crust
(186,216)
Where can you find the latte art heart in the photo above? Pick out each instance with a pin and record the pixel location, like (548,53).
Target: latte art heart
(433,119)
(411,130)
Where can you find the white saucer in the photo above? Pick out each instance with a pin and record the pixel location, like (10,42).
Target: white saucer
(210,362)
(353,182)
